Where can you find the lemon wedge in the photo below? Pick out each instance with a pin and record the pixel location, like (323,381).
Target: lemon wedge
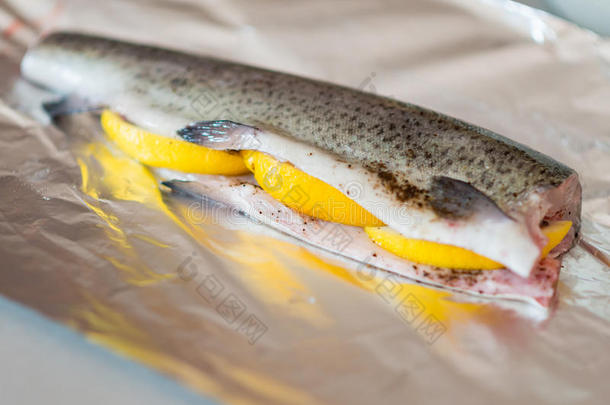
(453,257)
(160,151)
(304,193)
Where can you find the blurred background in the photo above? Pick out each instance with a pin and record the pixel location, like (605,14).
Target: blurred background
(591,14)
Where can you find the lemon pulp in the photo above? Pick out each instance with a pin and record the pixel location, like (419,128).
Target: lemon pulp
(453,257)
(160,151)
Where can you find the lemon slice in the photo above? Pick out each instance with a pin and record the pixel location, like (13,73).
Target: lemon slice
(160,151)
(453,257)
(304,193)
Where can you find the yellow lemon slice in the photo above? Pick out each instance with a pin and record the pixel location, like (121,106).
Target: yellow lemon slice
(453,257)
(304,193)
(160,151)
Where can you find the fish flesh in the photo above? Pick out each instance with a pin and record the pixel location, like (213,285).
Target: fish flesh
(425,175)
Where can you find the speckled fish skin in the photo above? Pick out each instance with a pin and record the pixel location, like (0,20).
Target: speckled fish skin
(424,159)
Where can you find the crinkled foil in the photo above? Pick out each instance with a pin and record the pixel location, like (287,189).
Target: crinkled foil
(235,311)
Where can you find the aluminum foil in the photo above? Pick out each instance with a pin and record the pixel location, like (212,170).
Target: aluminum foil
(233,310)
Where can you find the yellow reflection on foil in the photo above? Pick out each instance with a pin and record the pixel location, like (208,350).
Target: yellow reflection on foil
(263,272)
(407,299)
(107,327)
(152,241)
(117,176)
(413,303)
(257,382)
(272,280)
(108,174)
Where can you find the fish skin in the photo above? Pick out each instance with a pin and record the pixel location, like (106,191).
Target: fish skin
(416,154)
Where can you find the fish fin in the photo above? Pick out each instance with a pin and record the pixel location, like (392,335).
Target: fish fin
(70,104)
(220,134)
(181,188)
(457,199)
(172,185)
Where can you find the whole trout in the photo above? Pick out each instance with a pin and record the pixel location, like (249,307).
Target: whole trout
(424,174)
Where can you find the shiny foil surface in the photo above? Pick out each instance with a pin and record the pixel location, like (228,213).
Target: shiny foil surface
(235,310)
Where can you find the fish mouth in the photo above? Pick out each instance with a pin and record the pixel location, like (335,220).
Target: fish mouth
(561,203)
